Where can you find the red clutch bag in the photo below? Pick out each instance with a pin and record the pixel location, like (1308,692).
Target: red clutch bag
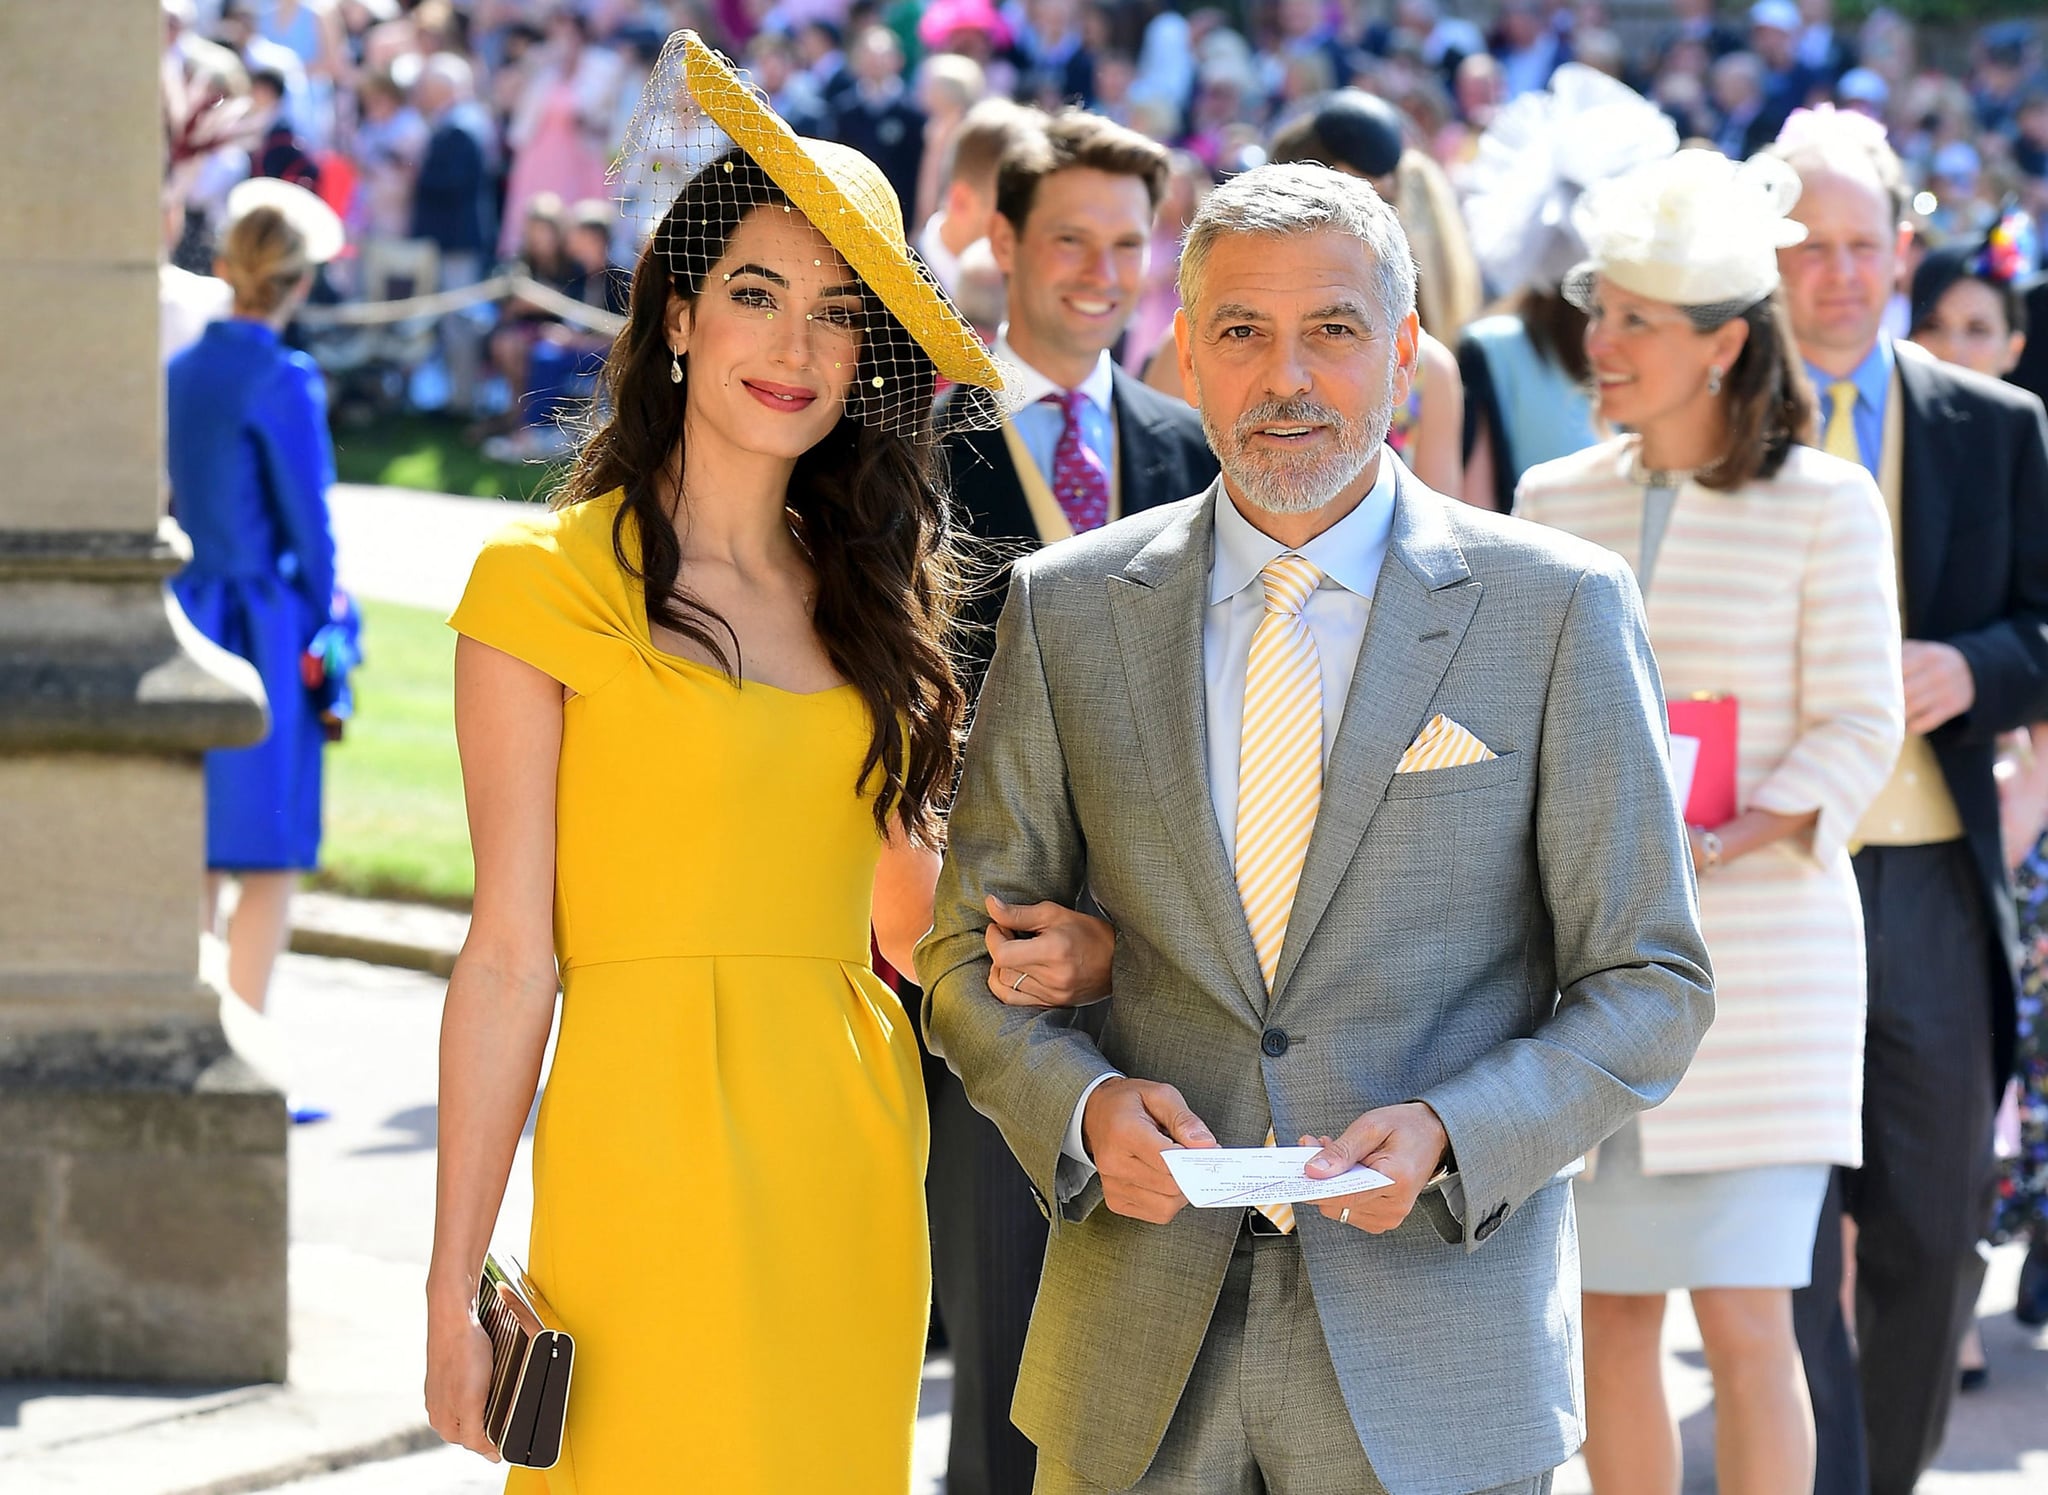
(1711,721)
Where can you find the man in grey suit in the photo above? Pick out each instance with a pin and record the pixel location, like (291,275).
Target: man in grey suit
(1374,788)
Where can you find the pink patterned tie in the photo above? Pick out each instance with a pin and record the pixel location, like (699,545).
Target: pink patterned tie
(1079,480)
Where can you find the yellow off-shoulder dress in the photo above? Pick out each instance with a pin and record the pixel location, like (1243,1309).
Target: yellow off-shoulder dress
(728,1171)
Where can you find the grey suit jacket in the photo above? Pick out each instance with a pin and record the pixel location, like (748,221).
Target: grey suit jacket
(1515,942)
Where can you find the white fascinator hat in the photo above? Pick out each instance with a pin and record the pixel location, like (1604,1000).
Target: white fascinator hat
(315,222)
(1696,231)
(1536,159)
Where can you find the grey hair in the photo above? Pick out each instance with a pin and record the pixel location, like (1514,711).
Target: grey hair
(1300,198)
(454,71)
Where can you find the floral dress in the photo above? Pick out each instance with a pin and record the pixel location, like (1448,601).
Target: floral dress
(2022,1205)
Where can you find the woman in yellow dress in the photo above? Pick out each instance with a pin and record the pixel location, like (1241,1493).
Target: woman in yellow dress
(707,724)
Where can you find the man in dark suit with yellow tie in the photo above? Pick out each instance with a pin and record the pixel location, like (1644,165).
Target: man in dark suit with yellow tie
(1074,208)
(1962,462)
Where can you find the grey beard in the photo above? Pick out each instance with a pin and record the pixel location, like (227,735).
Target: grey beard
(1281,485)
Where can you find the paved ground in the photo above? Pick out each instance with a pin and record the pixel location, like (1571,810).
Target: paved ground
(394,545)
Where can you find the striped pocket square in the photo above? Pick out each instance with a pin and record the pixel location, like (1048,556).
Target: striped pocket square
(1443,744)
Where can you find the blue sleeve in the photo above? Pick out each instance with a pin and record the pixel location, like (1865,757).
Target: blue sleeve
(290,422)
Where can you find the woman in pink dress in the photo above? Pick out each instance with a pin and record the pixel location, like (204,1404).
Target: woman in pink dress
(558,132)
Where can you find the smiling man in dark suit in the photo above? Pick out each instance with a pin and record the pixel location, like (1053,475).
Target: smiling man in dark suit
(1073,227)
(1962,462)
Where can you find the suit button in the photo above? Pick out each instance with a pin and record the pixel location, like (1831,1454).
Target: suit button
(1274,1043)
(1491,1223)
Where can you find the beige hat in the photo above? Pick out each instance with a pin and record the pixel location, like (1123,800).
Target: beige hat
(1695,230)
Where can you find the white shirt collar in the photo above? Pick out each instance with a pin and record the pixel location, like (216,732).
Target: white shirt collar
(1098,386)
(1348,553)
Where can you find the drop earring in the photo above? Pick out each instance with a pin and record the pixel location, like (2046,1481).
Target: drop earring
(675,367)
(1714,380)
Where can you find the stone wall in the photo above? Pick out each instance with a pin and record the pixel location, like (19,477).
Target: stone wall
(142,1165)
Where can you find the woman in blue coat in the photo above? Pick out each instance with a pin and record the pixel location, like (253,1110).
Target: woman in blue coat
(250,465)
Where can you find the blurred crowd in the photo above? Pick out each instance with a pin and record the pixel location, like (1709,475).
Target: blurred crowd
(459,137)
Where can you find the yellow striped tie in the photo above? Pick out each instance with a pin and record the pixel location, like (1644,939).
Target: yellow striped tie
(1840,438)
(1279,770)
(1281,1215)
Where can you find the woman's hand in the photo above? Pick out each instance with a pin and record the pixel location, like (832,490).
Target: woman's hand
(1048,956)
(459,1379)
(2022,775)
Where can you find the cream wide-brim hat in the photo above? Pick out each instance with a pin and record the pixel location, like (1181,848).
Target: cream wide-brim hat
(1694,230)
(850,202)
(317,224)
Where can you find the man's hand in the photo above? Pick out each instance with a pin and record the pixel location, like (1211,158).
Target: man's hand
(2022,798)
(1939,685)
(1125,1126)
(1045,955)
(1405,1142)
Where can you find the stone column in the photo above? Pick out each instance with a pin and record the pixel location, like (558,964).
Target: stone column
(142,1165)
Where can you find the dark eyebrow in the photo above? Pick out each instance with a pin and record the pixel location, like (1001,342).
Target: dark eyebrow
(850,288)
(761,270)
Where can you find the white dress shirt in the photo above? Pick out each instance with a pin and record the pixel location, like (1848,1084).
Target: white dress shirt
(1040,425)
(1349,554)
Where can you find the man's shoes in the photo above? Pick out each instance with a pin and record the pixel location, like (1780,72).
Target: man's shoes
(2032,1307)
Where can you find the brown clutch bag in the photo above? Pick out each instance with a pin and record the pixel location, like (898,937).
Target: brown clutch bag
(531,1357)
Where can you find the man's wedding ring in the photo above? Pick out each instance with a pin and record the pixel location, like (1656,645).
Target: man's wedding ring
(1018,984)
(1344,1215)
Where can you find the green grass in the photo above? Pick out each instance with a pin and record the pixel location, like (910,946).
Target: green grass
(395,825)
(430,453)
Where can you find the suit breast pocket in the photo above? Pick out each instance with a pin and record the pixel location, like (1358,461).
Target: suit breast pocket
(1464,778)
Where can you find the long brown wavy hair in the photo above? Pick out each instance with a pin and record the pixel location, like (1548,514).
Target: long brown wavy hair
(866,505)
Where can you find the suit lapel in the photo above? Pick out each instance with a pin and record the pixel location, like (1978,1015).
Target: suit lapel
(1157,606)
(1421,607)
(1928,433)
(1142,458)
(984,478)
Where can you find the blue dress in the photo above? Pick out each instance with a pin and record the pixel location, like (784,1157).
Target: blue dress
(250,465)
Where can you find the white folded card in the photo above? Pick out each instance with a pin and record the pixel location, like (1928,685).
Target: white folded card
(1239,1177)
(1685,761)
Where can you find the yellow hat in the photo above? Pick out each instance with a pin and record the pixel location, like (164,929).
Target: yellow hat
(850,202)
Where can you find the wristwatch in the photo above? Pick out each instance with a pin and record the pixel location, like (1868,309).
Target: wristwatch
(1445,1167)
(1710,849)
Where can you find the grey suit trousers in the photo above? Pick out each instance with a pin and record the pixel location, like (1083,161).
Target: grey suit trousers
(1262,1413)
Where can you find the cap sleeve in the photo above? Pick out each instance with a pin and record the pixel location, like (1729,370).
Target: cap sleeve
(532,595)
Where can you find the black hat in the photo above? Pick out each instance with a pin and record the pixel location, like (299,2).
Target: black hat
(1350,128)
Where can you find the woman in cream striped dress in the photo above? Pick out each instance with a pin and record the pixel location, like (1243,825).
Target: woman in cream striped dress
(1767,574)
